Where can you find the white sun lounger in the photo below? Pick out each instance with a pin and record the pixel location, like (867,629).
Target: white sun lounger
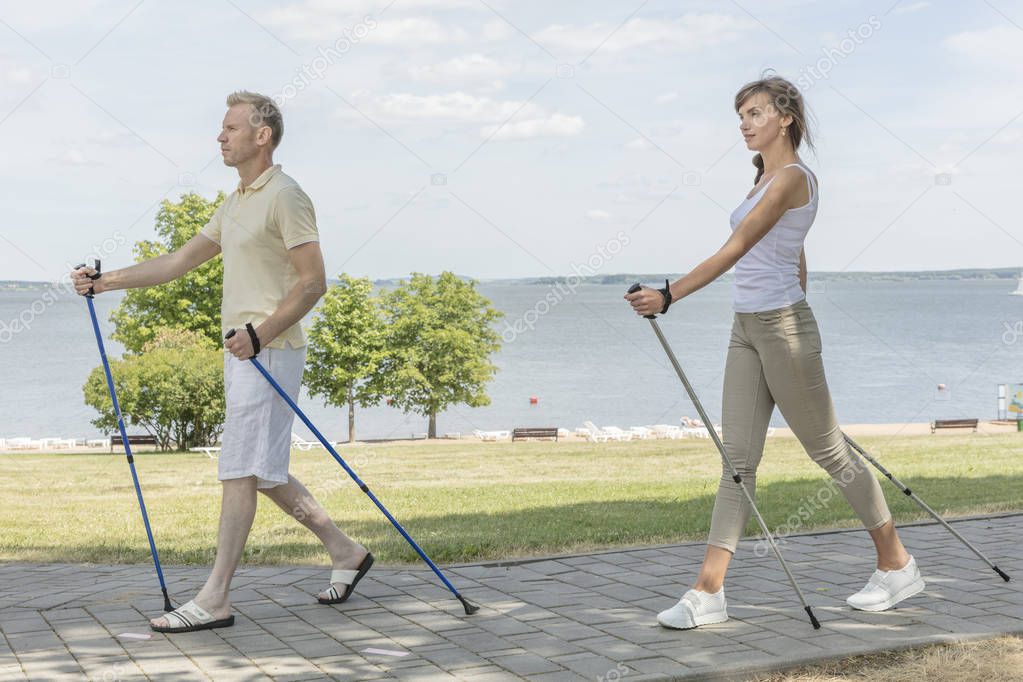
(208,450)
(618,434)
(641,432)
(301,443)
(594,434)
(491,435)
(666,431)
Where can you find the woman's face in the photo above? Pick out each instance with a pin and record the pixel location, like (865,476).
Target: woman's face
(759,121)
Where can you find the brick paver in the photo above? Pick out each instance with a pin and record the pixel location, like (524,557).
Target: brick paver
(585,617)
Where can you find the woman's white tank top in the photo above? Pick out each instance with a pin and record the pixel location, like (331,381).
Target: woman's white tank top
(767,277)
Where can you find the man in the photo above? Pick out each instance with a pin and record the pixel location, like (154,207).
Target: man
(273,275)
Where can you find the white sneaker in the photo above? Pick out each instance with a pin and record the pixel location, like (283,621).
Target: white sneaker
(695,608)
(885,589)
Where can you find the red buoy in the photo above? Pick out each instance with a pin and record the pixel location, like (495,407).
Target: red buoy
(533,400)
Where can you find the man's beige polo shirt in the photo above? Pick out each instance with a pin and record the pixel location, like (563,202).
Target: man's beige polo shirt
(255,226)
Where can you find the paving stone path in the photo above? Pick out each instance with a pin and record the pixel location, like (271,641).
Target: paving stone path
(587,617)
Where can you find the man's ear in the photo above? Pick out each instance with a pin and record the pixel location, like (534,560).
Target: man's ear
(264,135)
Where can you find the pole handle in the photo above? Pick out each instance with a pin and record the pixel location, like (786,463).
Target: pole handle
(633,289)
(92,292)
(252,335)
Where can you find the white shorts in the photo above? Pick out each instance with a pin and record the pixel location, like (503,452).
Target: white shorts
(257,429)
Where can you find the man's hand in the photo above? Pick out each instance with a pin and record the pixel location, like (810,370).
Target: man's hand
(646,301)
(81,279)
(239,344)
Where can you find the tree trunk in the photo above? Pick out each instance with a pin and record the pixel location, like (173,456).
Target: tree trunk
(433,426)
(351,416)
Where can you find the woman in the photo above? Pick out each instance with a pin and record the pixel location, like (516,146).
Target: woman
(774,357)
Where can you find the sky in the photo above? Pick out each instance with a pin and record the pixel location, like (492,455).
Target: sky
(516,139)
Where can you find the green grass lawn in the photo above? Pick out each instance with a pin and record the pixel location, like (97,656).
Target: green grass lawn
(474,501)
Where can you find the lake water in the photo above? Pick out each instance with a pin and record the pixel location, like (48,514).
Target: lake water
(887,347)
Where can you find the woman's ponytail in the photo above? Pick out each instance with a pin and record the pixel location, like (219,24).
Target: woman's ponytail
(758,161)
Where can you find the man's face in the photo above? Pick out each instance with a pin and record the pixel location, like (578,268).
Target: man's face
(239,139)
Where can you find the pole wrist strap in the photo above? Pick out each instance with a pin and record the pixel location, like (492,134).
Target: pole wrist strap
(253,337)
(666,294)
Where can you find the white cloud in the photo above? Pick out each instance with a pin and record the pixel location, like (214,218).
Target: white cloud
(74,157)
(115,137)
(598,215)
(689,33)
(666,97)
(639,144)
(496,30)
(471,67)
(634,188)
(33,16)
(451,106)
(501,119)
(912,7)
(323,20)
(413,31)
(555,125)
(996,46)
(14,72)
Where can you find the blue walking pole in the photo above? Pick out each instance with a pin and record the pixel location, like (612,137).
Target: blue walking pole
(124,438)
(470,608)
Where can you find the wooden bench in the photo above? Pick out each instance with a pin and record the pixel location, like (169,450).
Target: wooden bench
(954,424)
(133,440)
(538,432)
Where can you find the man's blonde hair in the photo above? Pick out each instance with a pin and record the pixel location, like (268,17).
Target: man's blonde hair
(265,112)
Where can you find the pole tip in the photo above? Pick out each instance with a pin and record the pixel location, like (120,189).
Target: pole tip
(813,619)
(1005,576)
(470,608)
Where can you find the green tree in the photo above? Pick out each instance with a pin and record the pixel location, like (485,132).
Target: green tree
(438,340)
(346,347)
(189,302)
(173,389)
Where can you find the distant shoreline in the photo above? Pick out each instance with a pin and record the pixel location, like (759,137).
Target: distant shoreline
(969,274)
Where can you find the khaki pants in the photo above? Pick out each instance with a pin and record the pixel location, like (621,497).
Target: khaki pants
(774,357)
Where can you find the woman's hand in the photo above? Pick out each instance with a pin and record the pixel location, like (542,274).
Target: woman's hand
(646,301)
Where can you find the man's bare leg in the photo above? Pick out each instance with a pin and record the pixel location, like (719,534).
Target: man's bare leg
(296,500)
(237,510)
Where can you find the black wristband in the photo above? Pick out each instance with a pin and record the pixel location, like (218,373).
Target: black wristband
(254,338)
(666,294)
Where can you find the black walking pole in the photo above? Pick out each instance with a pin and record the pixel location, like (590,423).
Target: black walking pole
(124,437)
(721,448)
(923,505)
(470,608)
